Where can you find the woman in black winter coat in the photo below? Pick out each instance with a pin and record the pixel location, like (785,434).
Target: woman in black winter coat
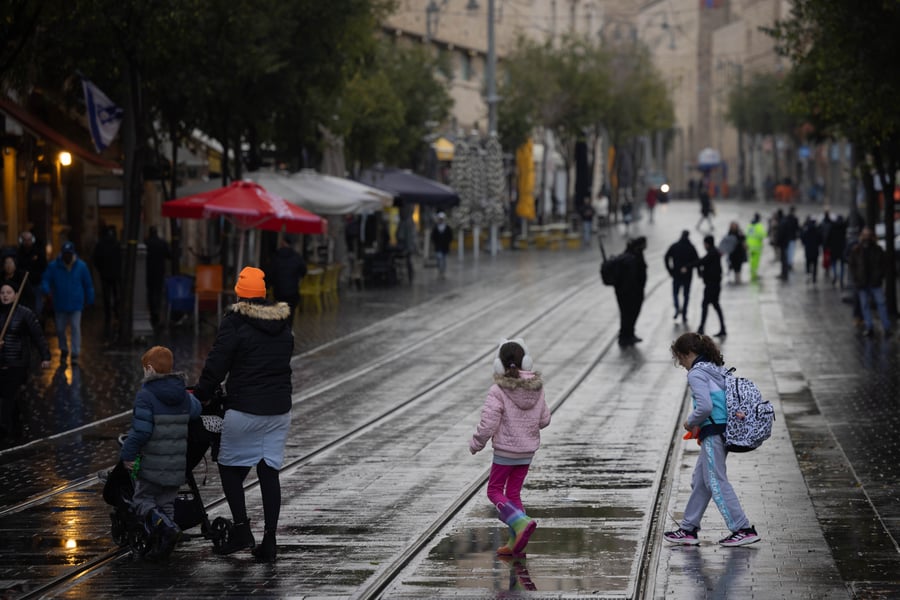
(253,349)
(15,355)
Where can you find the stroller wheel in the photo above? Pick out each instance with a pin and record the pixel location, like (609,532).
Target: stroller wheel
(119,528)
(138,541)
(219,531)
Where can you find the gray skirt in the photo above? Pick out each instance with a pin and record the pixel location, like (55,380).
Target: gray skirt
(248,439)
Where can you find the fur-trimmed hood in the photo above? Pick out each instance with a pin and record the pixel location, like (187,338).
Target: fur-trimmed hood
(270,318)
(527,380)
(177,374)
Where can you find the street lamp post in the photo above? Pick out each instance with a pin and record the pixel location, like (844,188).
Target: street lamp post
(491,72)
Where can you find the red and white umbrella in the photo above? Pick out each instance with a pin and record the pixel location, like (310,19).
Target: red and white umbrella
(249,206)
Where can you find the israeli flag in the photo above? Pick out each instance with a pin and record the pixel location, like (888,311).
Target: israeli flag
(104,117)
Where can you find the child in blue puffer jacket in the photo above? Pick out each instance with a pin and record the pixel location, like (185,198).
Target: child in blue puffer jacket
(159,436)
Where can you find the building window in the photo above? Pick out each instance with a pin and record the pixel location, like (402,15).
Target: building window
(466,67)
(445,64)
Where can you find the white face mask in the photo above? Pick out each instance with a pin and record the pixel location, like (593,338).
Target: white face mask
(148,371)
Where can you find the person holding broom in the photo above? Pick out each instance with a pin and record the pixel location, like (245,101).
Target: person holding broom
(20,330)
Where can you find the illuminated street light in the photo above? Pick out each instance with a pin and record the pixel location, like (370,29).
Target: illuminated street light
(65,159)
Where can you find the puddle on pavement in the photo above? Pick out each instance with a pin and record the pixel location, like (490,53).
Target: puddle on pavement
(562,559)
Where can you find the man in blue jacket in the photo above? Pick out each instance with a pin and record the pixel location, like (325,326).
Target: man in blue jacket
(67,281)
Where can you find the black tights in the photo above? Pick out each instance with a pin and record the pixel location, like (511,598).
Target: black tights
(269,484)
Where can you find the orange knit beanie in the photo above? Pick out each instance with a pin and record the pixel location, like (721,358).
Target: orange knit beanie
(251,283)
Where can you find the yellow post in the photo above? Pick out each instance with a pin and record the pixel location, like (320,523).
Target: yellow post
(10,199)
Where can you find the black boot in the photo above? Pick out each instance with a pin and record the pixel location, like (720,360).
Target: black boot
(239,537)
(162,533)
(266,550)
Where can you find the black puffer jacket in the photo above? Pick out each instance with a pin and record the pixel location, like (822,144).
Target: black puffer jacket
(23,330)
(253,348)
(867,265)
(710,267)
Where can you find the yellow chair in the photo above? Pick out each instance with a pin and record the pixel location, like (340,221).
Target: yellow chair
(330,284)
(311,287)
(207,287)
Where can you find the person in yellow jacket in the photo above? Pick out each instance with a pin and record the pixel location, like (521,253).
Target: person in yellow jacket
(756,237)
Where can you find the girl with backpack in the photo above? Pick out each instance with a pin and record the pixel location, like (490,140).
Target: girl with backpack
(513,414)
(700,356)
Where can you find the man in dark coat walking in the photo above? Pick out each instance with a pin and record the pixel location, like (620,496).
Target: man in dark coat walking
(788,231)
(630,282)
(681,254)
(286,269)
(441,237)
(107,260)
(32,257)
(158,253)
(867,267)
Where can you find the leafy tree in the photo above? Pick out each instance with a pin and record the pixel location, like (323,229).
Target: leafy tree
(760,108)
(844,76)
(578,88)
(639,104)
(240,69)
(561,88)
(390,104)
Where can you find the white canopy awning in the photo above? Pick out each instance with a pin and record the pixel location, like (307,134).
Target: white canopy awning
(330,195)
(317,193)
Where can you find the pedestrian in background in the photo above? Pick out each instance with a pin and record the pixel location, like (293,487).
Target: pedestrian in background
(706,207)
(12,274)
(734,247)
(253,350)
(836,243)
(107,259)
(441,237)
(788,231)
(701,358)
(286,269)
(710,269)
(811,238)
(407,242)
(867,266)
(67,281)
(159,437)
(32,257)
(756,238)
(630,282)
(679,256)
(651,200)
(22,331)
(587,223)
(513,414)
(158,252)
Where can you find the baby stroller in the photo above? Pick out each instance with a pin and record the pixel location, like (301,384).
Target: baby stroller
(145,541)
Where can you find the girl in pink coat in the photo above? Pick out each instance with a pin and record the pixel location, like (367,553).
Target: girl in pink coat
(512,418)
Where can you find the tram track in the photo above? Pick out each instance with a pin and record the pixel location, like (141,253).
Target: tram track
(387,575)
(497,300)
(374,589)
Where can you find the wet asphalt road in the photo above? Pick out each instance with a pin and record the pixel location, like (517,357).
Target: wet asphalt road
(822,492)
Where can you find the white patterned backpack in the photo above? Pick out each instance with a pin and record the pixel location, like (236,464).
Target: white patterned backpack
(750,417)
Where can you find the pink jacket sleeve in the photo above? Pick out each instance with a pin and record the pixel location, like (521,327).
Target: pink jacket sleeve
(491,413)
(545,412)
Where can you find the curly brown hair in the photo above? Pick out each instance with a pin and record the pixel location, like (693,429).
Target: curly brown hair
(699,344)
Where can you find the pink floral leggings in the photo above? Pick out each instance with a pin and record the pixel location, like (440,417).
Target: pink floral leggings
(505,484)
